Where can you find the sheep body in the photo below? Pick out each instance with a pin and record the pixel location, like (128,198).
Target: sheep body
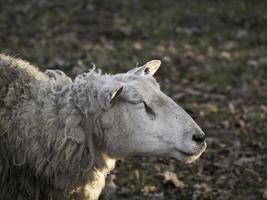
(44,150)
(59,138)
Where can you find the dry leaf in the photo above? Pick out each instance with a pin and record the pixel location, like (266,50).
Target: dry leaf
(188,47)
(264,195)
(195,105)
(226,55)
(226,124)
(157,167)
(138,46)
(149,189)
(262,62)
(171,177)
(201,113)
(212,108)
(160,48)
(137,174)
(229,45)
(172,49)
(252,63)
(203,187)
(231,108)
(263,108)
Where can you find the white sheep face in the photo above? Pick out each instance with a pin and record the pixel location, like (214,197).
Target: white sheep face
(139,119)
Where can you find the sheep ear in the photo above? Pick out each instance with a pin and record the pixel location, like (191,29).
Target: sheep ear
(108,95)
(149,68)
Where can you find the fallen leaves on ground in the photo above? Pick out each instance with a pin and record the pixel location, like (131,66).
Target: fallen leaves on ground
(264,195)
(172,177)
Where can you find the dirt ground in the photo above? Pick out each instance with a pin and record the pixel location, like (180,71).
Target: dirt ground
(214,57)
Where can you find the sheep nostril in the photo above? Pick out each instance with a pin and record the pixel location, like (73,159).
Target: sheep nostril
(198,138)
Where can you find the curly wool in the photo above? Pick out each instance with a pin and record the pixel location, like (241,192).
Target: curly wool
(50,138)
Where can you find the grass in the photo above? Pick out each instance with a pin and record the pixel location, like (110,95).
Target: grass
(228,98)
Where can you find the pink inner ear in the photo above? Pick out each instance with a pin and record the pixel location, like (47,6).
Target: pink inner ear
(152,66)
(119,91)
(116,94)
(149,68)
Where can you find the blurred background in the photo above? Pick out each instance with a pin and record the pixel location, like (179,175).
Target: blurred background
(214,56)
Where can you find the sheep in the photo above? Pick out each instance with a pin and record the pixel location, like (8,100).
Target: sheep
(60,138)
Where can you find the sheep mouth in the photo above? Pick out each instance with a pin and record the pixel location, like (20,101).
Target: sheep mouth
(197,152)
(184,157)
(188,154)
(187,157)
(185,153)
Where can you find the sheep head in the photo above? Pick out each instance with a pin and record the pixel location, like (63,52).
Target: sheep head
(139,119)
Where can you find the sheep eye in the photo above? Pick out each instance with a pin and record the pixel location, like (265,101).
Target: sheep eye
(136,101)
(149,111)
(143,105)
